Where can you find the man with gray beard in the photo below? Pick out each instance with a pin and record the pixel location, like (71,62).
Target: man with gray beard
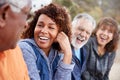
(82,26)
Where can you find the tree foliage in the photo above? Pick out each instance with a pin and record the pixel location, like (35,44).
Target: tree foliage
(96,8)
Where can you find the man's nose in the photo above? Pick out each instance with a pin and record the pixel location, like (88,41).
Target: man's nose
(83,33)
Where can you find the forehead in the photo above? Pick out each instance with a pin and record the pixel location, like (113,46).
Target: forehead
(84,21)
(108,27)
(84,24)
(44,18)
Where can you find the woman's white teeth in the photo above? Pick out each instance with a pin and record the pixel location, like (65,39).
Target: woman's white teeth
(44,38)
(104,38)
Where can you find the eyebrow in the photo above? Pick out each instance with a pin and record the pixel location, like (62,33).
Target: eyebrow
(49,23)
(52,23)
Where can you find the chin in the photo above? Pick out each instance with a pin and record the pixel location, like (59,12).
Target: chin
(75,45)
(78,46)
(13,45)
(7,48)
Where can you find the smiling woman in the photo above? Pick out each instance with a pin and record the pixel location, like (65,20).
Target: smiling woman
(101,49)
(45,43)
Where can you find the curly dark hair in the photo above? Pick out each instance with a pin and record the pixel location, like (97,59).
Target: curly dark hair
(58,14)
(108,21)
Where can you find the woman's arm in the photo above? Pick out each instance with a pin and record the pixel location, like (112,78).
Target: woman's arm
(110,63)
(30,59)
(65,66)
(64,43)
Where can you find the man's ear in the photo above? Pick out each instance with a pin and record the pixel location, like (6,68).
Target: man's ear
(3,11)
(2,22)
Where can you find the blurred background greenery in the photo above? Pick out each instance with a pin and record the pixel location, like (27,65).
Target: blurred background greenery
(96,8)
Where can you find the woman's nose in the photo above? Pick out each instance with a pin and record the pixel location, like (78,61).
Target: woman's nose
(44,30)
(105,32)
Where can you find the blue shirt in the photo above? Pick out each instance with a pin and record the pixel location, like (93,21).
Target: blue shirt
(77,54)
(79,58)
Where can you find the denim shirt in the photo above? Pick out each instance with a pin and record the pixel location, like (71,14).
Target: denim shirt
(79,65)
(41,67)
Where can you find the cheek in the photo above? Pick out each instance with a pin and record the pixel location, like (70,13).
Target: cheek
(36,31)
(98,32)
(35,35)
(77,32)
(23,23)
(111,37)
(54,35)
(88,36)
(74,35)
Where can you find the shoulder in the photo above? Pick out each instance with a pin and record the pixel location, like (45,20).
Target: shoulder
(27,49)
(16,51)
(26,43)
(112,54)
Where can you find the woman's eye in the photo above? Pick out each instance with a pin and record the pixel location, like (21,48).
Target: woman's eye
(110,31)
(102,29)
(51,28)
(40,25)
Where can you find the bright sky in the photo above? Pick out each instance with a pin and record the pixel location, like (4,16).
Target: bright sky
(36,4)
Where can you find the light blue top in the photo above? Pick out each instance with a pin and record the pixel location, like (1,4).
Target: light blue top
(77,54)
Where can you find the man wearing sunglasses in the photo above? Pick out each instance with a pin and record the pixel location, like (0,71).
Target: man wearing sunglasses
(13,14)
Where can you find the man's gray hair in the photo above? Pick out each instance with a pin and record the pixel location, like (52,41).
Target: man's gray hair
(15,4)
(85,16)
(2,2)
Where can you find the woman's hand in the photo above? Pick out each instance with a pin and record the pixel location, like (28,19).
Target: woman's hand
(64,43)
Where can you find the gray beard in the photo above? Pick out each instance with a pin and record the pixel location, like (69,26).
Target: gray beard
(76,45)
